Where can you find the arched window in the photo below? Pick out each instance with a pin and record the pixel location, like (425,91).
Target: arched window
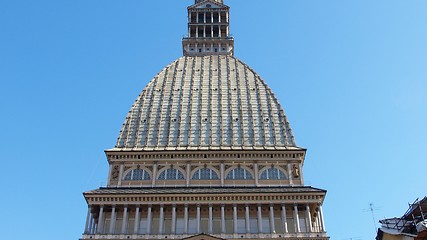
(137,174)
(239,174)
(273,174)
(205,174)
(171,174)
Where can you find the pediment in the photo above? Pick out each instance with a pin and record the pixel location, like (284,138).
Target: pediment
(203,236)
(208,4)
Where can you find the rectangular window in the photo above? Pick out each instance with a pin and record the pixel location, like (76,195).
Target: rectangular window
(119,223)
(241,226)
(180,226)
(254,224)
(291,224)
(143,226)
(131,225)
(192,225)
(216,225)
(278,224)
(155,225)
(266,225)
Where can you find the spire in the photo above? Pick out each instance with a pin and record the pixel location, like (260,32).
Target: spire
(219,1)
(208,29)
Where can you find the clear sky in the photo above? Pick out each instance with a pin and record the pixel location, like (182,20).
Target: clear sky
(351,76)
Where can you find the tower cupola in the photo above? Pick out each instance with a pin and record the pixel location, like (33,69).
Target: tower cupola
(208,29)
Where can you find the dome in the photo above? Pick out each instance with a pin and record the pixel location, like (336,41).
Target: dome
(212,102)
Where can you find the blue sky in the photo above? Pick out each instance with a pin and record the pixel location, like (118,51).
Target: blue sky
(351,76)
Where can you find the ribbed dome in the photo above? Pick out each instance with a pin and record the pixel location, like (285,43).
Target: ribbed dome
(202,103)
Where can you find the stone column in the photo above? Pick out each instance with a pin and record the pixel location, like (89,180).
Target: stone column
(101,219)
(222,218)
(296,219)
(210,223)
(272,225)
(256,173)
(284,220)
(188,168)
(222,174)
(88,219)
(198,218)
(149,218)
(161,219)
(173,230)
(247,219)
(322,222)
(136,225)
(113,220)
(92,225)
(125,220)
(235,218)
(316,223)
(212,18)
(204,17)
(259,219)
(185,219)
(309,225)
(153,181)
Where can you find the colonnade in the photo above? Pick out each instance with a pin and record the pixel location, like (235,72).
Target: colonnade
(212,219)
(206,19)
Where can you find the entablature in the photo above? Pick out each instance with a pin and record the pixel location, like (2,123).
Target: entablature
(125,196)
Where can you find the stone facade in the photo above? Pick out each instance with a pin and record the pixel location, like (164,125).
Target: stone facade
(206,152)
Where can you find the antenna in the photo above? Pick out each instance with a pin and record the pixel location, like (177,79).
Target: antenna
(372,209)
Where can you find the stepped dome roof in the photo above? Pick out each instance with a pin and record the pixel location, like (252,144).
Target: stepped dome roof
(212,102)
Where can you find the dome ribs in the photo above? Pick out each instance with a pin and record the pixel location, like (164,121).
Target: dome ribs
(215,103)
(186,103)
(165,106)
(194,135)
(256,109)
(249,133)
(265,113)
(156,108)
(147,104)
(205,118)
(237,107)
(226,106)
(208,102)
(175,104)
(277,122)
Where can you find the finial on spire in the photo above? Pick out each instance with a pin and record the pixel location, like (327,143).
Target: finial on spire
(220,1)
(208,29)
